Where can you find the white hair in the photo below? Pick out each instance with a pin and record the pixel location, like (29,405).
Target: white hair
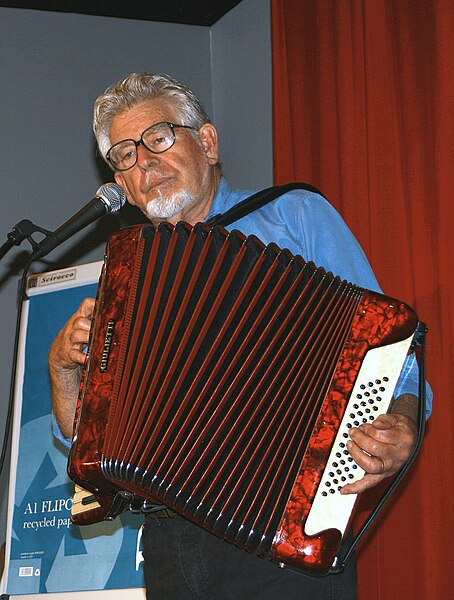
(138,88)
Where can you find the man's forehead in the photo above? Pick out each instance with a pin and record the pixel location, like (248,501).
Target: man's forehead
(138,117)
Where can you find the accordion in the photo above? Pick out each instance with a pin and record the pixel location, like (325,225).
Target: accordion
(221,380)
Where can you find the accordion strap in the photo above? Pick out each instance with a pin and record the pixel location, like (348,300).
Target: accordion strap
(256,201)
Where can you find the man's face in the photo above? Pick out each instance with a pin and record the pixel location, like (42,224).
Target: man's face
(178,184)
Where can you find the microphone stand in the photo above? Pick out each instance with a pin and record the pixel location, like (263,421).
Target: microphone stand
(19,233)
(9,415)
(110,198)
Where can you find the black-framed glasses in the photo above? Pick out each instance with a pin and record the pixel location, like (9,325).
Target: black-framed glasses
(157,139)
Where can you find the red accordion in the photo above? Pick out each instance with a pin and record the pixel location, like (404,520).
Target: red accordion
(221,380)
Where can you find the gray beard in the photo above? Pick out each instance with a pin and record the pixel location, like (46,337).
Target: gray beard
(165,207)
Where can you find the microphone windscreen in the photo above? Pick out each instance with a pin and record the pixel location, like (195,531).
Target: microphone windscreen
(112,195)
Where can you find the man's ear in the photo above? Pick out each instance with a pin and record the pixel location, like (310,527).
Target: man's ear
(209,137)
(120,180)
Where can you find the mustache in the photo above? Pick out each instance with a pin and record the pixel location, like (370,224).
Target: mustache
(153,177)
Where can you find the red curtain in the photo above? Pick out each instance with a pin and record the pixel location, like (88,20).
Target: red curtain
(363,109)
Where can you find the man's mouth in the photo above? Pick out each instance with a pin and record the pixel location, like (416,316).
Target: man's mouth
(154,183)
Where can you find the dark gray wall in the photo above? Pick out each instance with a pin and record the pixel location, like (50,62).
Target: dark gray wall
(241,84)
(52,67)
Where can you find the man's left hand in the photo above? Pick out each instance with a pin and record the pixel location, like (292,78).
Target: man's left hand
(380,448)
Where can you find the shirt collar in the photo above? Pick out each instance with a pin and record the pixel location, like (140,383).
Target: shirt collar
(222,200)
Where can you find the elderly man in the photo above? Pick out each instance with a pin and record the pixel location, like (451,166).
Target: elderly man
(163,149)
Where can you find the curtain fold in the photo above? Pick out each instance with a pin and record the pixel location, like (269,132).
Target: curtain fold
(363,109)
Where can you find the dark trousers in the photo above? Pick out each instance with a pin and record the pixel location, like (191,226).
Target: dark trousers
(183,562)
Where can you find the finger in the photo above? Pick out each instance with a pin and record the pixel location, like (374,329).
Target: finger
(377,440)
(396,441)
(78,339)
(86,308)
(77,356)
(80,323)
(370,463)
(378,429)
(373,443)
(357,487)
(385,421)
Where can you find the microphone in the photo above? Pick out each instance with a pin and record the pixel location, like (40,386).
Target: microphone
(109,198)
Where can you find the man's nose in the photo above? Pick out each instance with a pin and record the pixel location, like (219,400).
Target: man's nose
(145,157)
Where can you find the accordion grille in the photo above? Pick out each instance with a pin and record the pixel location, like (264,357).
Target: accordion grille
(226,356)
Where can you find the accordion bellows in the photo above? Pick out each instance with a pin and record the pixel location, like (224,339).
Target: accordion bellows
(221,380)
